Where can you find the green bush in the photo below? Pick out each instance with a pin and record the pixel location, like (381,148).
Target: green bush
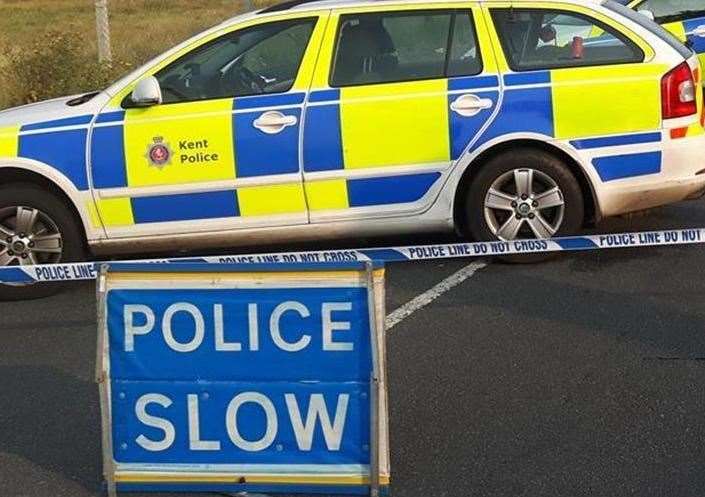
(55,64)
(40,61)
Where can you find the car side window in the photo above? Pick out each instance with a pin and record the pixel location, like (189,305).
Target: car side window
(464,57)
(404,46)
(535,39)
(257,60)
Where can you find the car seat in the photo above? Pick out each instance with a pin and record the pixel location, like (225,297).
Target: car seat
(366,53)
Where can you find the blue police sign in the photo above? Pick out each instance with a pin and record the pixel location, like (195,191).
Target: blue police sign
(243,378)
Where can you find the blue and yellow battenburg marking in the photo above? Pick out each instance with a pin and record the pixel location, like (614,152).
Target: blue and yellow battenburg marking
(351,131)
(378,126)
(578,103)
(569,105)
(203,142)
(352,134)
(59,143)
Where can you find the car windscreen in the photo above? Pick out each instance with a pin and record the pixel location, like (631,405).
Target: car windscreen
(647,23)
(667,11)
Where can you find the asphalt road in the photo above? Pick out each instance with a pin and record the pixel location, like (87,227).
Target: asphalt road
(579,376)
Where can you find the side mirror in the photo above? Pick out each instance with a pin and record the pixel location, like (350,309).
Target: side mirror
(647,13)
(146,93)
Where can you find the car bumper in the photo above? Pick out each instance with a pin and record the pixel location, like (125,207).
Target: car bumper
(682,177)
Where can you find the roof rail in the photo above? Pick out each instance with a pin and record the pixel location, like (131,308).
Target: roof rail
(289,4)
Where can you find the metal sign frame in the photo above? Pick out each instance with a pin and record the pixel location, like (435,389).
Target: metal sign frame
(374,284)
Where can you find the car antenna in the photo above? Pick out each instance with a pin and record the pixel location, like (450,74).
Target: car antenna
(290,4)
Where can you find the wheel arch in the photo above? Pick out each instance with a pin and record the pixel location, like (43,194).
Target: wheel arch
(34,174)
(590,200)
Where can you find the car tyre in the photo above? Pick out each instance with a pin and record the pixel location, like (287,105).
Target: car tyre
(55,228)
(522,194)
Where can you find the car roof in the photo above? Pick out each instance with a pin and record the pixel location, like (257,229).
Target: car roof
(296,6)
(299,5)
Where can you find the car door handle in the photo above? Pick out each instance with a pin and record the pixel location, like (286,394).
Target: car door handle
(273,122)
(469,105)
(699,31)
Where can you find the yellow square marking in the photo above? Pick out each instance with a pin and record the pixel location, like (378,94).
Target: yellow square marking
(591,101)
(93,214)
(484,39)
(695,130)
(199,136)
(271,199)
(678,29)
(395,124)
(308,63)
(325,55)
(9,141)
(327,195)
(116,211)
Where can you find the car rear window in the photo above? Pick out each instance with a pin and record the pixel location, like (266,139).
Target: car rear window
(647,23)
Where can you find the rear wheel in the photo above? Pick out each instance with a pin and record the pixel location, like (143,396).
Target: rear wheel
(36,227)
(524,194)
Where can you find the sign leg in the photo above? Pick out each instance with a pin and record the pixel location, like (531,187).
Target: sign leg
(374,385)
(103,380)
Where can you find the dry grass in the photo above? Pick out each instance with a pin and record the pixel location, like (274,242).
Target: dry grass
(48,47)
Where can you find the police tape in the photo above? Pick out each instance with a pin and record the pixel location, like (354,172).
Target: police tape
(89,270)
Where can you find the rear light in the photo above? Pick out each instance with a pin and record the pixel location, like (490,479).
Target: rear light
(678,93)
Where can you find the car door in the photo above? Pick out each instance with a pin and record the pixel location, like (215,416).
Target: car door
(398,95)
(221,151)
(684,18)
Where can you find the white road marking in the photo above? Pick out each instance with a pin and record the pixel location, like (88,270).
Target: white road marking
(421,301)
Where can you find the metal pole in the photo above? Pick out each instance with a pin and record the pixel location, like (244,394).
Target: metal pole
(102,23)
(374,383)
(103,379)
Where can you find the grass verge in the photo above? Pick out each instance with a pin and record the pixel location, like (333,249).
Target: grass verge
(48,47)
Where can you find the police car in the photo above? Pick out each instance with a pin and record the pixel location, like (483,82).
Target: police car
(322,119)
(684,18)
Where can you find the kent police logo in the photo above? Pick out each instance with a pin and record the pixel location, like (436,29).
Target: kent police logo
(159,153)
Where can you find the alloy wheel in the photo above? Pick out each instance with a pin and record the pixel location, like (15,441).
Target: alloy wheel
(524,203)
(28,236)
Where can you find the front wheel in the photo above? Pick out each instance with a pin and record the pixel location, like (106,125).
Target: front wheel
(524,194)
(35,228)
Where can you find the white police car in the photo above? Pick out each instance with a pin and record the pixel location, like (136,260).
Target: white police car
(323,119)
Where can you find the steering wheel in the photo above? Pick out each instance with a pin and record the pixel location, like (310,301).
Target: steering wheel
(171,85)
(249,80)
(178,94)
